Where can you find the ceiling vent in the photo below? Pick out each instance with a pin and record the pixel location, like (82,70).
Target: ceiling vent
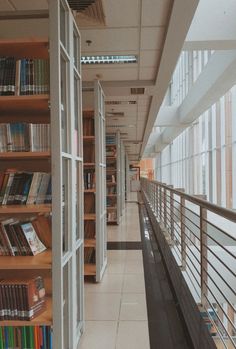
(137,90)
(116,126)
(88,12)
(120,102)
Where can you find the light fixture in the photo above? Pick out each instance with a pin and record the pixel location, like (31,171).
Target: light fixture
(107,59)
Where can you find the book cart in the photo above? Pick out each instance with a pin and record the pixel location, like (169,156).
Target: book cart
(60,265)
(95,234)
(113,173)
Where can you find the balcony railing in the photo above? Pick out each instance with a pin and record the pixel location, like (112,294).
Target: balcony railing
(202,239)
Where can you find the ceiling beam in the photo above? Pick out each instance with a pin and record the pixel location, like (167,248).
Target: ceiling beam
(179,23)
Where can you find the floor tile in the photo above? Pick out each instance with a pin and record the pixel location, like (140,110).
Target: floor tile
(111,283)
(102,306)
(132,335)
(134,255)
(115,267)
(116,255)
(133,307)
(133,267)
(133,283)
(99,335)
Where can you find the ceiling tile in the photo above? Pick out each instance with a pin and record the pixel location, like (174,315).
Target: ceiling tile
(121,13)
(110,74)
(5,6)
(155,12)
(147,73)
(149,58)
(110,40)
(152,38)
(30,4)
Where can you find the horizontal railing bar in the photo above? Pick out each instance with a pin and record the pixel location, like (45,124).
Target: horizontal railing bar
(227,301)
(221,277)
(229,336)
(226,213)
(219,244)
(220,260)
(219,229)
(223,311)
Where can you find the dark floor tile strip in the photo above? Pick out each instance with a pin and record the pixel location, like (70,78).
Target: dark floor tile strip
(124,245)
(165,328)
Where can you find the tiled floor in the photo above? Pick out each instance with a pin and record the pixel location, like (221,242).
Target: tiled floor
(115,309)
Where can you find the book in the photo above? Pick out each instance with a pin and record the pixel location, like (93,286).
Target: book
(35,244)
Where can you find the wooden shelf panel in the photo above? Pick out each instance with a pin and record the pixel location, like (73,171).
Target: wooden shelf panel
(111,222)
(32,103)
(43,319)
(112,195)
(111,157)
(111,208)
(41,261)
(111,183)
(90,243)
(20,209)
(89,190)
(111,170)
(89,164)
(21,48)
(88,138)
(89,216)
(89,269)
(25,155)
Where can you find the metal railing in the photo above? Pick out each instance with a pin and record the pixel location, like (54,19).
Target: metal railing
(202,238)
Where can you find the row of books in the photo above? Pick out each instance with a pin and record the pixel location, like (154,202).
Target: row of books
(22,299)
(111,178)
(25,188)
(24,76)
(110,152)
(89,179)
(26,337)
(110,139)
(89,255)
(89,230)
(24,238)
(18,137)
(111,202)
(111,190)
(111,216)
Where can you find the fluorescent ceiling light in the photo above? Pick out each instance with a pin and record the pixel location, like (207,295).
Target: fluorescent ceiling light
(108,59)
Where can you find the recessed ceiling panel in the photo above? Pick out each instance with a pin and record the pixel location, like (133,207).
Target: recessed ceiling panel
(147,73)
(149,58)
(110,74)
(152,38)
(109,40)
(25,5)
(121,13)
(155,12)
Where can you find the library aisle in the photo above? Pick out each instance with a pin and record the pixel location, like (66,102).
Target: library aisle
(115,309)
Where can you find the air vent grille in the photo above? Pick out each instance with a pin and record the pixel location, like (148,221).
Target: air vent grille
(120,102)
(115,114)
(80,5)
(137,90)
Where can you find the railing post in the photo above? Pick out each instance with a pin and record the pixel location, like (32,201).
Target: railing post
(182,229)
(172,232)
(203,250)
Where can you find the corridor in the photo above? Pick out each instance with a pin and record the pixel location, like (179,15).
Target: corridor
(115,309)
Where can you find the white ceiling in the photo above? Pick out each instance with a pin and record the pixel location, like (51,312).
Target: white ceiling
(132,27)
(138,27)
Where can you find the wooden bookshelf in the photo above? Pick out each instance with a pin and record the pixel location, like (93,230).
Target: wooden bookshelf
(41,261)
(43,319)
(24,155)
(112,177)
(22,209)
(39,109)
(89,269)
(94,182)
(24,103)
